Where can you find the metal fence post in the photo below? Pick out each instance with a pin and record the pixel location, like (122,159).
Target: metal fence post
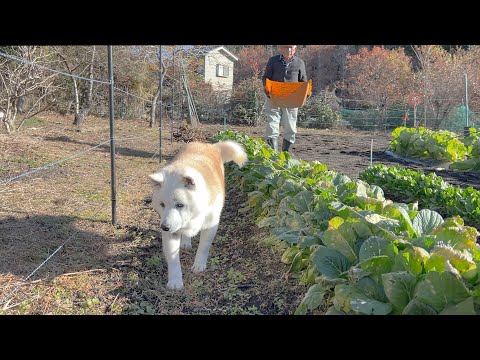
(112,137)
(465,129)
(161,102)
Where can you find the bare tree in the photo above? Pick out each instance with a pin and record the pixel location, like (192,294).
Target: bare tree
(379,76)
(442,80)
(471,66)
(157,93)
(162,71)
(187,62)
(82,111)
(251,63)
(79,61)
(26,76)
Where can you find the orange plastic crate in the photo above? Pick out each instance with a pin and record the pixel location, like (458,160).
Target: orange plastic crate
(288,94)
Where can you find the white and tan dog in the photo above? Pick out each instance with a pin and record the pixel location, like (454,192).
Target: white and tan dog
(189,194)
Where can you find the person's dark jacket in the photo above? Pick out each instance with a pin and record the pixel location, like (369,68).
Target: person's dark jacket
(276,70)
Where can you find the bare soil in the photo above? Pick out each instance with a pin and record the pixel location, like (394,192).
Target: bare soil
(348,152)
(63,213)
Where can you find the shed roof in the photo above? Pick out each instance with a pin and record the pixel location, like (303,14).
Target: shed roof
(223,50)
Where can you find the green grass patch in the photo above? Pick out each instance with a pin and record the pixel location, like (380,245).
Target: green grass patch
(94,214)
(143,308)
(33,121)
(22,160)
(238,310)
(235,276)
(154,262)
(93,195)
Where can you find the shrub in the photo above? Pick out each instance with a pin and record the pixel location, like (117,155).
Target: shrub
(247,102)
(319,112)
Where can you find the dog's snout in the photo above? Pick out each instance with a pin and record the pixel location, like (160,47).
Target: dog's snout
(165,227)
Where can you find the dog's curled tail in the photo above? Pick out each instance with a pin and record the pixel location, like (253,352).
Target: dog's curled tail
(232,151)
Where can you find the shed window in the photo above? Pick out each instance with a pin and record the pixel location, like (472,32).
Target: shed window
(222,70)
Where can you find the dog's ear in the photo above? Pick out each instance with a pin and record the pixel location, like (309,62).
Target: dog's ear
(156,179)
(189,183)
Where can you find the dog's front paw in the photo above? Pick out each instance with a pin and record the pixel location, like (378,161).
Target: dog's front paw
(198,267)
(186,245)
(175,284)
(185,242)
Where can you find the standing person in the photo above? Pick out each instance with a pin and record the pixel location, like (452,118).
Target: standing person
(284,67)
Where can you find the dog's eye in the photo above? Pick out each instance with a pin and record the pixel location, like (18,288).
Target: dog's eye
(179,205)
(162,204)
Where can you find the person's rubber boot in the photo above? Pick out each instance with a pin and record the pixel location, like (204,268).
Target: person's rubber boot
(273,142)
(286,145)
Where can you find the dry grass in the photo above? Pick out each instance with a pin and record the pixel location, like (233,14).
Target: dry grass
(106,269)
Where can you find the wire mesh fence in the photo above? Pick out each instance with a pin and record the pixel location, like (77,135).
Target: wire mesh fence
(453,117)
(55,179)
